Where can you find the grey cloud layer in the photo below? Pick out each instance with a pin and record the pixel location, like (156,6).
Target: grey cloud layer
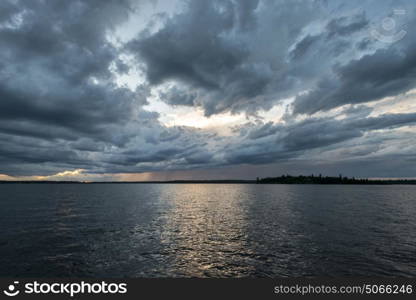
(230,67)
(60,108)
(231,52)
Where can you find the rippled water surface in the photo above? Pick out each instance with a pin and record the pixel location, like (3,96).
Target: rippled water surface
(206,230)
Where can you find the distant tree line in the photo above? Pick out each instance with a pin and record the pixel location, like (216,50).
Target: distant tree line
(312,179)
(284,179)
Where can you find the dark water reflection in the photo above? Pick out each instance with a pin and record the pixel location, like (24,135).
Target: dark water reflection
(191,230)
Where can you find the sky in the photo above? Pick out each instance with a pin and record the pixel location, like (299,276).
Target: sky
(192,89)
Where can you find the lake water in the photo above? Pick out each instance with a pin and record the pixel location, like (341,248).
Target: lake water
(206,230)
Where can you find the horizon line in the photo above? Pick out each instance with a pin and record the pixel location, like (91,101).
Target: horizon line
(257,180)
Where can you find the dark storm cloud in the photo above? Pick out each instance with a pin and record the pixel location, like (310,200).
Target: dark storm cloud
(246,13)
(56,86)
(53,50)
(177,96)
(204,49)
(60,108)
(221,66)
(192,48)
(265,130)
(387,72)
(303,46)
(7,10)
(336,28)
(271,143)
(82,110)
(345,26)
